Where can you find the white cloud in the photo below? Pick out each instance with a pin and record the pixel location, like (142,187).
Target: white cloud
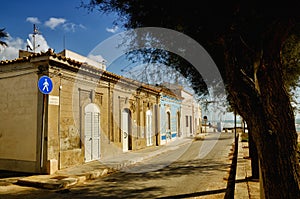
(113,29)
(12,49)
(16,44)
(41,44)
(71,27)
(81,26)
(97,58)
(33,20)
(54,22)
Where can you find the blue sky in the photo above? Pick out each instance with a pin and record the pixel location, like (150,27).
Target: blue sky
(60,23)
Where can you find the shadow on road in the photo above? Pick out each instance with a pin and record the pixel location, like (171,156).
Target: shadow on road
(203,193)
(132,185)
(11,177)
(10,174)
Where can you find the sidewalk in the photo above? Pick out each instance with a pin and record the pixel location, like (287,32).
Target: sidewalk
(91,170)
(70,176)
(245,188)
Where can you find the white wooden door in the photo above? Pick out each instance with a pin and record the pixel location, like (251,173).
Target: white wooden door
(88,136)
(96,137)
(149,127)
(92,132)
(125,129)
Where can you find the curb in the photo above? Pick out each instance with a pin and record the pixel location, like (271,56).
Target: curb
(35,181)
(61,182)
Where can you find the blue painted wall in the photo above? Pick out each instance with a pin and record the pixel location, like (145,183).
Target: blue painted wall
(174,107)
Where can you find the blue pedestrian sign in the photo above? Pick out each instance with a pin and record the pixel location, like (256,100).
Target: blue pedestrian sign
(45,84)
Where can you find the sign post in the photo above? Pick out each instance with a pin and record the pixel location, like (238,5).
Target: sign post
(45,86)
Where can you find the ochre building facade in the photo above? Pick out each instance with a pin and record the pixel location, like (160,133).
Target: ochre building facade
(89,115)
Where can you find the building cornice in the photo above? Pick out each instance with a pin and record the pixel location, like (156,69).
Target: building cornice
(76,66)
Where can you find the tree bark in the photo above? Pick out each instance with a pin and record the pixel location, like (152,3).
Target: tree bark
(275,136)
(253,155)
(269,113)
(277,141)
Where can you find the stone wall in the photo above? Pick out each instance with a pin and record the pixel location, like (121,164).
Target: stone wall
(66,132)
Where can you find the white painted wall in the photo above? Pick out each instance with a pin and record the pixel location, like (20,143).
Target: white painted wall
(81,58)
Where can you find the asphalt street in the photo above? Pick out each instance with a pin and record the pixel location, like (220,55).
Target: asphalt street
(196,169)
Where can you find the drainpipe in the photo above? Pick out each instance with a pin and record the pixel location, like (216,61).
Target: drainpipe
(108,106)
(156,121)
(58,118)
(138,118)
(112,118)
(120,118)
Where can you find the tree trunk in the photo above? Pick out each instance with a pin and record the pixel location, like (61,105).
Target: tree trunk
(277,139)
(275,136)
(269,114)
(253,155)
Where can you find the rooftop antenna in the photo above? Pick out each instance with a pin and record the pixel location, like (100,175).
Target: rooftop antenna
(35,32)
(29,45)
(33,46)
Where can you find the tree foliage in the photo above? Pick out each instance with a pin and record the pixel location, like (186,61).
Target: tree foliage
(211,24)
(3,34)
(291,66)
(254,45)
(291,60)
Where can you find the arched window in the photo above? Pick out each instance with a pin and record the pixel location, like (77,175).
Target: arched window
(168,120)
(168,127)
(178,124)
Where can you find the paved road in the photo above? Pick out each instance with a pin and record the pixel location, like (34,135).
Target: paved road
(192,170)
